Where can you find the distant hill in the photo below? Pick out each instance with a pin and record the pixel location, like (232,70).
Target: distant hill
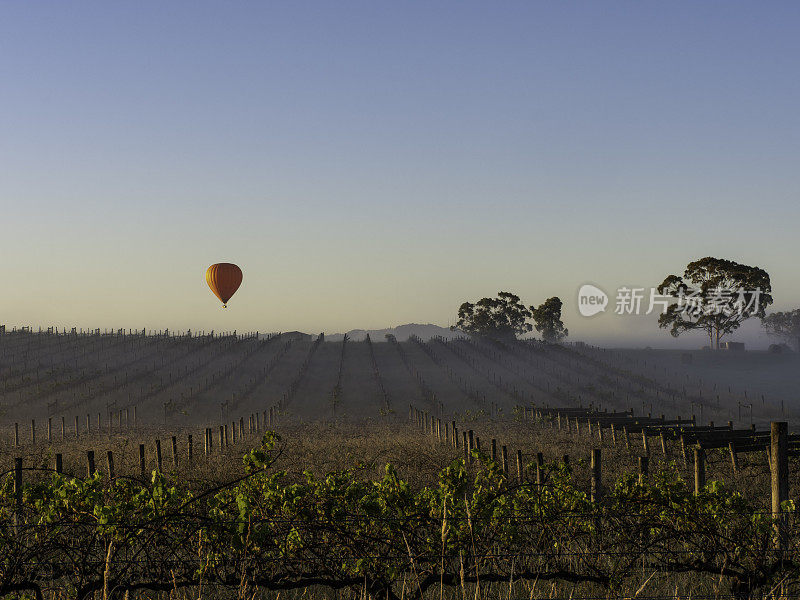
(401,332)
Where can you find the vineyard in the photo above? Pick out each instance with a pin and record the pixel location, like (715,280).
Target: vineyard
(53,382)
(142,464)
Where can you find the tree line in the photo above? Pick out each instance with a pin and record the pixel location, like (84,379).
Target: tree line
(714,296)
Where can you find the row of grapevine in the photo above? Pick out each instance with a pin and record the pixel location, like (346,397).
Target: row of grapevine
(387,404)
(291,391)
(471,391)
(336,392)
(426,392)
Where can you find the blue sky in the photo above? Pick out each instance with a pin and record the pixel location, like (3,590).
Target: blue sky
(370,164)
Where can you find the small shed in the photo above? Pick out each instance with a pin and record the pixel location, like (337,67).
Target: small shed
(732,346)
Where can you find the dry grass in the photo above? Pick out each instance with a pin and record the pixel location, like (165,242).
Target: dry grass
(322,447)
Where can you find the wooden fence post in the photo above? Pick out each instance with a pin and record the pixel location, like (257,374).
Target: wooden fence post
(539,468)
(175,451)
(59,463)
(734,457)
(17,493)
(699,470)
(779,450)
(597,481)
(110,461)
(683,449)
(189,448)
(142,467)
(643,468)
(90,463)
(158,456)
(520,473)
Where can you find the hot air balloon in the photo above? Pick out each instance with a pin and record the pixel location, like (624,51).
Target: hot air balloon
(224,279)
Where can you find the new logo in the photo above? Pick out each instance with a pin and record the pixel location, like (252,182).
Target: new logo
(591,300)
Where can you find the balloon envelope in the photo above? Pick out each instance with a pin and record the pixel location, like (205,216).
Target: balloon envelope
(224,279)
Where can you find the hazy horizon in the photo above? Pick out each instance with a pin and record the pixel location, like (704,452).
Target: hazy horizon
(639,332)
